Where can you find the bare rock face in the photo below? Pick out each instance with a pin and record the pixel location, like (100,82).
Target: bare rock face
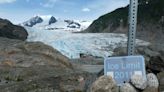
(33,21)
(152,80)
(127,87)
(151,89)
(104,84)
(52,20)
(156,63)
(8,30)
(161,81)
(139,81)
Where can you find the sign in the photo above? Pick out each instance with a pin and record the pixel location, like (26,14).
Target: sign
(122,68)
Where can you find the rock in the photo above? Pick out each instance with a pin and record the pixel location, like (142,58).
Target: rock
(154,60)
(141,50)
(7,29)
(151,89)
(104,84)
(120,51)
(157,47)
(156,64)
(25,54)
(127,87)
(43,79)
(152,80)
(33,21)
(52,20)
(139,81)
(161,81)
(72,24)
(147,51)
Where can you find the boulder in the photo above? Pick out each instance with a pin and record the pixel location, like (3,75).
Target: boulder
(139,81)
(104,84)
(152,80)
(156,64)
(120,51)
(154,60)
(7,29)
(151,89)
(127,87)
(161,81)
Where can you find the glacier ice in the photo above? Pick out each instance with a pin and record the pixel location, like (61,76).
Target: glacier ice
(72,44)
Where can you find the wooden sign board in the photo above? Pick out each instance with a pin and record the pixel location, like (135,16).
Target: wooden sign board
(122,68)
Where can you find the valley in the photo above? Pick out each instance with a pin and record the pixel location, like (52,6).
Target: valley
(63,47)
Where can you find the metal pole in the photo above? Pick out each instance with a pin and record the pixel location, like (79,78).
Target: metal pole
(133,8)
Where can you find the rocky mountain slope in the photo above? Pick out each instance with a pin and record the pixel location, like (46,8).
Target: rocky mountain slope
(26,54)
(150,21)
(7,29)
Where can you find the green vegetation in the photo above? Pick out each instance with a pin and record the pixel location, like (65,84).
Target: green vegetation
(150,11)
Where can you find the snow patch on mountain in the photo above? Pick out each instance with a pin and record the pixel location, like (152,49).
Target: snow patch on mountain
(33,21)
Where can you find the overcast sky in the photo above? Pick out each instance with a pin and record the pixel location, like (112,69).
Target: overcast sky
(20,10)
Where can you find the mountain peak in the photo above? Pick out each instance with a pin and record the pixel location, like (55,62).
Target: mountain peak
(45,19)
(52,20)
(33,21)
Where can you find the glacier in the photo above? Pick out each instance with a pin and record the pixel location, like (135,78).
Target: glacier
(73,44)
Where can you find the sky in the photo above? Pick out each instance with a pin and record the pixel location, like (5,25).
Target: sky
(18,11)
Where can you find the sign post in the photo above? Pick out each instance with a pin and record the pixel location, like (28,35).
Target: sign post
(133,8)
(122,68)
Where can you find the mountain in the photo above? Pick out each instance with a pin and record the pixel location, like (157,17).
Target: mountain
(33,21)
(150,21)
(49,22)
(9,30)
(46,20)
(52,20)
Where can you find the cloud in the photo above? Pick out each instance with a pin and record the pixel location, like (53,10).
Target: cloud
(86,10)
(49,3)
(6,1)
